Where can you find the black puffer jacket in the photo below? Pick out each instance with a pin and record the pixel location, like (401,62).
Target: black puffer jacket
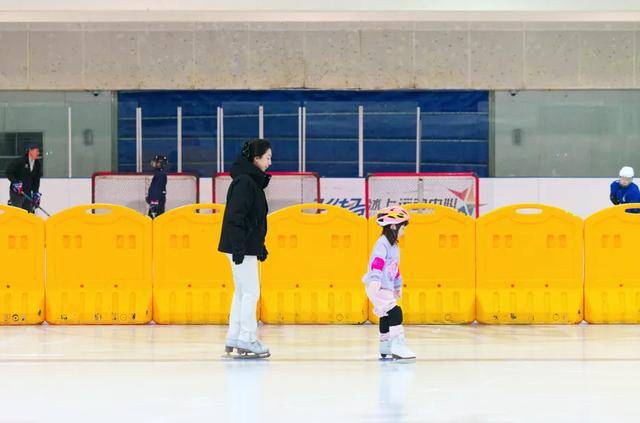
(244,226)
(20,171)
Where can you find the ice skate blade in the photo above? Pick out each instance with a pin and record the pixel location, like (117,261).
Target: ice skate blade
(244,355)
(396,359)
(250,356)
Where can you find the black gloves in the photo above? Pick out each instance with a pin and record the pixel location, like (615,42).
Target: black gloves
(238,258)
(263,256)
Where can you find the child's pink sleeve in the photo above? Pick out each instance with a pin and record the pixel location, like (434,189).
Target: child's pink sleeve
(376,264)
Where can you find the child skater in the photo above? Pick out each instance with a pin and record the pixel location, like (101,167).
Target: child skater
(157,194)
(384,283)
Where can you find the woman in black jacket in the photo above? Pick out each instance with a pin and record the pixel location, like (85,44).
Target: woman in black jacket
(244,228)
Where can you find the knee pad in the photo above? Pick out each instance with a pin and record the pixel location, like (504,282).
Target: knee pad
(395,316)
(384,324)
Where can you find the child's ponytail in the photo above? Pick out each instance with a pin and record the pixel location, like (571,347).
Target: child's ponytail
(391,232)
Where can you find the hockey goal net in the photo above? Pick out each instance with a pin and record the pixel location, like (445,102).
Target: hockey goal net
(285,189)
(130,189)
(457,190)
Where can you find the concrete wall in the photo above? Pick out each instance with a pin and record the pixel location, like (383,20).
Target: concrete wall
(367,55)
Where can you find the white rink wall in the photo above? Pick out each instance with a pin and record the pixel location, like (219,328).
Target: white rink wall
(61,193)
(581,196)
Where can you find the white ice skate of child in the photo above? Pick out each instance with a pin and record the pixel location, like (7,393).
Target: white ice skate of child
(246,350)
(399,349)
(385,346)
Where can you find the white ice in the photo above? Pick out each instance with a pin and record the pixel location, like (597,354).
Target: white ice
(320,374)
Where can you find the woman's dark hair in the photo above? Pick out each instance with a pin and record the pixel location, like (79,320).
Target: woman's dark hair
(392,234)
(255,148)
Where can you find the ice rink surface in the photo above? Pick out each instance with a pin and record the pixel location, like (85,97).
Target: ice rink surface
(320,374)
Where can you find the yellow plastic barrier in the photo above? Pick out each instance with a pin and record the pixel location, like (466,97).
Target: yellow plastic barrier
(21,268)
(529,266)
(98,266)
(612,275)
(192,282)
(317,256)
(437,265)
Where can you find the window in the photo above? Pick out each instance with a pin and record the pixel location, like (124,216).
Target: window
(14,145)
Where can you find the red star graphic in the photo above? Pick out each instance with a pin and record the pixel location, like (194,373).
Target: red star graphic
(462,195)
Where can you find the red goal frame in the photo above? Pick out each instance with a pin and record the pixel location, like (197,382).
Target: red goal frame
(276,174)
(96,175)
(420,174)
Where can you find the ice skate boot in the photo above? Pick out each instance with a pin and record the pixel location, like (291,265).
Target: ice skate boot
(230,345)
(399,350)
(254,349)
(385,346)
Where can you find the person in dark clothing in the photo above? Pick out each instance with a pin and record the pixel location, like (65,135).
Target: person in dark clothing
(24,176)
(157,195)
(244,228)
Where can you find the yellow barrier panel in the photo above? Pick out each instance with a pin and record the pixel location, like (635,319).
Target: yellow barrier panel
(529,265)
(317,256)
(612,276)
(437,265)
(98,266)
(192,281)
(21,268)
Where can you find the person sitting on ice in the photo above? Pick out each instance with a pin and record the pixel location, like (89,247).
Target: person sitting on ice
(623,190)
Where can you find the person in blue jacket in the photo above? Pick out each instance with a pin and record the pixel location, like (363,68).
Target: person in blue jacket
(157,196)
(624,191)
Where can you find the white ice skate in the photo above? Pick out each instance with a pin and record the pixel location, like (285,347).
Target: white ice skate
(230,345)
(399,350)
(254,349)
(385,348)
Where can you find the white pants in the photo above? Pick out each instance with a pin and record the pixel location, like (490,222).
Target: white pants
(242,321)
